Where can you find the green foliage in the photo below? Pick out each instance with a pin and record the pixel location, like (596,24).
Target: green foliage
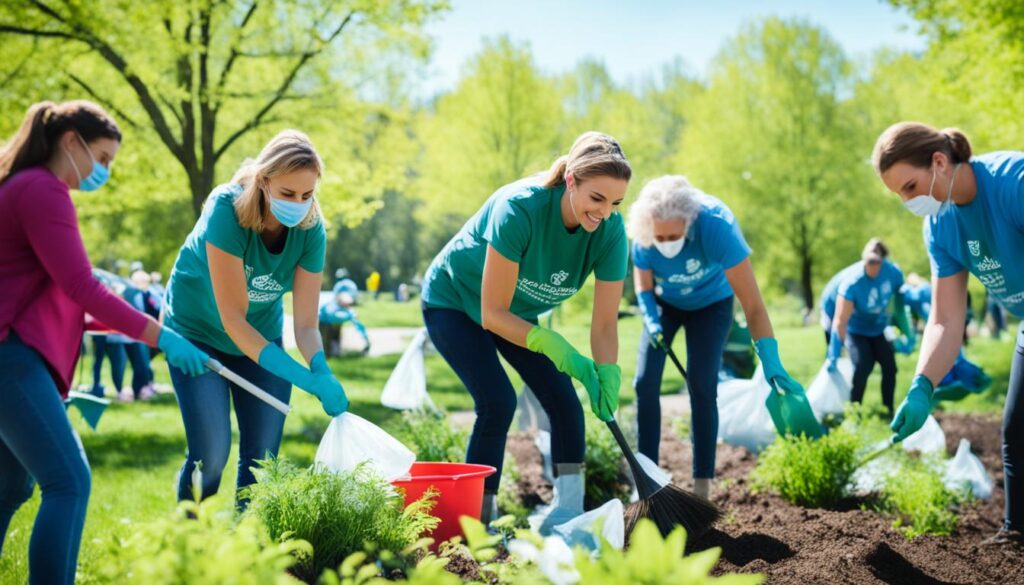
(431,436)
(509,500)
(337,513)
(921,501)
(209,548)
(604,464)
(808,472)
(359,569)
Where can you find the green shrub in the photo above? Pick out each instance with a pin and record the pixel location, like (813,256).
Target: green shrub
(432,437)
(509,500)
(605,466)
(921,501)
(808,472)
(337,513)
(208,548)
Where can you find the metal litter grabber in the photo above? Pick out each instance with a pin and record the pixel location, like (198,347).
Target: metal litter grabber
(248,386)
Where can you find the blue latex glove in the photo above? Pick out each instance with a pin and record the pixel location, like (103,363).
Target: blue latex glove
(332,396)
(904,344)
(835,350)
(652,321)
(914,410)
(180,353)
(768,352)
(318,365)
(320,383)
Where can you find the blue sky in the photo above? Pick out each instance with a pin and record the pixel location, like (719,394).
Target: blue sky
(634,38)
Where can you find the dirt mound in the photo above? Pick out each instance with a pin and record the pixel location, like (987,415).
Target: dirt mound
(762,533)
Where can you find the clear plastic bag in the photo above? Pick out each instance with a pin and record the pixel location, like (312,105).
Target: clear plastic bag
(930,438)
(351,440)
(743,419)
(406,388)
(581,530)
(966,469)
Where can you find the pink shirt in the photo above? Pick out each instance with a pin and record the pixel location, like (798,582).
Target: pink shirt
(46,276)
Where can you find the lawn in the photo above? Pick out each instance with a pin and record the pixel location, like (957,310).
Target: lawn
(138,448)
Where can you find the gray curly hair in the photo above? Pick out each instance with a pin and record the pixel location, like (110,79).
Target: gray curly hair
(665,198)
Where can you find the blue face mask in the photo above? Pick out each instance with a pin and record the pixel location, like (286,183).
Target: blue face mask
(290,213)
(97,176)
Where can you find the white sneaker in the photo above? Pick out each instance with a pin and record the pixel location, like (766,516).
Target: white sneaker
(126,395)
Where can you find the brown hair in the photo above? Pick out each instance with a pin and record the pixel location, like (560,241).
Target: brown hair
(287,152)
(592,155)
(45,122)
(915,143)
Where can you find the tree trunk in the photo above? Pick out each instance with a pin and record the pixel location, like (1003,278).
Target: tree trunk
(806,271)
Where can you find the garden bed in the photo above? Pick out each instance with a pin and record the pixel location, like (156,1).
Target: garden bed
(762,533)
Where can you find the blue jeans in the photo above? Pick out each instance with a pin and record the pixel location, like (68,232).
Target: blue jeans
(115,351)
(142,373)
(473,353)
(206,411)
(707,330)
(37,444)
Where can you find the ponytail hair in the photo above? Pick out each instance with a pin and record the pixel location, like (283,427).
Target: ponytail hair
(45,122)
(592,155)
(915,143)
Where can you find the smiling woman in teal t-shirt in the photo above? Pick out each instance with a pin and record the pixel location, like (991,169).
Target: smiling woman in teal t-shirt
(259,237)
(973,210)
(531,246)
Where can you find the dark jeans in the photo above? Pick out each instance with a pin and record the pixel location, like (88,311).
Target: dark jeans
(707,330)
(473,353)
(865,352)
(142,373)
(115,351)
(37,445)
(206,411)
(1013,439)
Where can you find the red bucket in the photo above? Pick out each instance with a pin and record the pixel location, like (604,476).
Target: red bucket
(460,488)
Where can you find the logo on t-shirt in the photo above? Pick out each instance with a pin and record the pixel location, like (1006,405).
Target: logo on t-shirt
(975,247)
(559,277)
(263,288)
(692,265)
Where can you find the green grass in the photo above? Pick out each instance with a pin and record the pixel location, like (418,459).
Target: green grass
(138,448)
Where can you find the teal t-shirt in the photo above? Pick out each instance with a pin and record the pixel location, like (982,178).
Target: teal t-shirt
(523,221)
(191,308)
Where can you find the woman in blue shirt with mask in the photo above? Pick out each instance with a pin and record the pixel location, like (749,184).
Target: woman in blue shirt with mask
(863,295)
(690,258)
(973,210)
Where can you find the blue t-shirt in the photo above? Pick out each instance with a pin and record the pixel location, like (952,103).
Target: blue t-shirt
(695,278)
(918,298)
(986,236)
(830,293)
(870,298)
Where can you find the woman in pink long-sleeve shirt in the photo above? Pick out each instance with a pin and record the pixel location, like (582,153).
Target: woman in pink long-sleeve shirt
(47,286)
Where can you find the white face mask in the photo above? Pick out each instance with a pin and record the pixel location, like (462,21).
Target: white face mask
(925,205)
(670,249)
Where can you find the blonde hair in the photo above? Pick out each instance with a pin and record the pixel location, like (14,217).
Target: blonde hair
(592,155)
(665,198)
(287,152)
(915,143)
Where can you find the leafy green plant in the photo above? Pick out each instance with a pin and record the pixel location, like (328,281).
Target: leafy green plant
(921,501)
(431,436)
(605,472)
(809,472)
(201,544)
(360,569)
(339,514)
(509,500)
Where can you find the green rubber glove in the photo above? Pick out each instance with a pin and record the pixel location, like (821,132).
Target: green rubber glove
(914,410)
(605,405)
(565,357)
(768,352)
(899,317)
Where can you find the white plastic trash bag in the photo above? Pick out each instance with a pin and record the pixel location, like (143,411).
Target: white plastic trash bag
(930,438)
(966,469)
(580,531)
(829,392)
(351,440)
(406,388)
(743,419)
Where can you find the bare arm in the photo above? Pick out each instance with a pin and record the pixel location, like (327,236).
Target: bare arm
(643,280)
(306,312)
(944,332)
(604,325)
(227,273)
(496,292)
(744,284)
(844,309)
